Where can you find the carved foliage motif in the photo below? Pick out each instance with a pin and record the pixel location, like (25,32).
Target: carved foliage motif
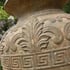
(35,37)
(67,31)
(33,40)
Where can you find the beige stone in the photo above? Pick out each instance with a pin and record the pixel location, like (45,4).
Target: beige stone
(41,38)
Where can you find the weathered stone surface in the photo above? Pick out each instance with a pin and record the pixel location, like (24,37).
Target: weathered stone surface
(40,41)
(19,7)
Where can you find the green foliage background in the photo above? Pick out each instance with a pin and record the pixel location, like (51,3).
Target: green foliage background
(66,7)
(3,16)
(2,2)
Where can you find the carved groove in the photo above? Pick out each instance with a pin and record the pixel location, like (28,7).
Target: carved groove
(67,31)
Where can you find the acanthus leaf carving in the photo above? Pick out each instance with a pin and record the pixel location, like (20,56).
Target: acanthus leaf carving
(35,37)
(67,31)
(58,36)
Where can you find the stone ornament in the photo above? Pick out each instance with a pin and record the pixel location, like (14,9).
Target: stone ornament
(39,41)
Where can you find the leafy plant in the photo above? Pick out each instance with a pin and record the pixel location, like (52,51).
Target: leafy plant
(66,7)
(2,2)
(3,14)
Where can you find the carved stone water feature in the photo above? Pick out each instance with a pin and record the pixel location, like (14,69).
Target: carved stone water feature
(41,38)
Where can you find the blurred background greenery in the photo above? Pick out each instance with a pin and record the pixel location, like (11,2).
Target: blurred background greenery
(6,20)
(2,2)
(66,7)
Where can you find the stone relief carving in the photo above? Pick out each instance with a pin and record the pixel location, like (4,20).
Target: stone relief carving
(40,40)
(37,45)
(34,36)
(67,31)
